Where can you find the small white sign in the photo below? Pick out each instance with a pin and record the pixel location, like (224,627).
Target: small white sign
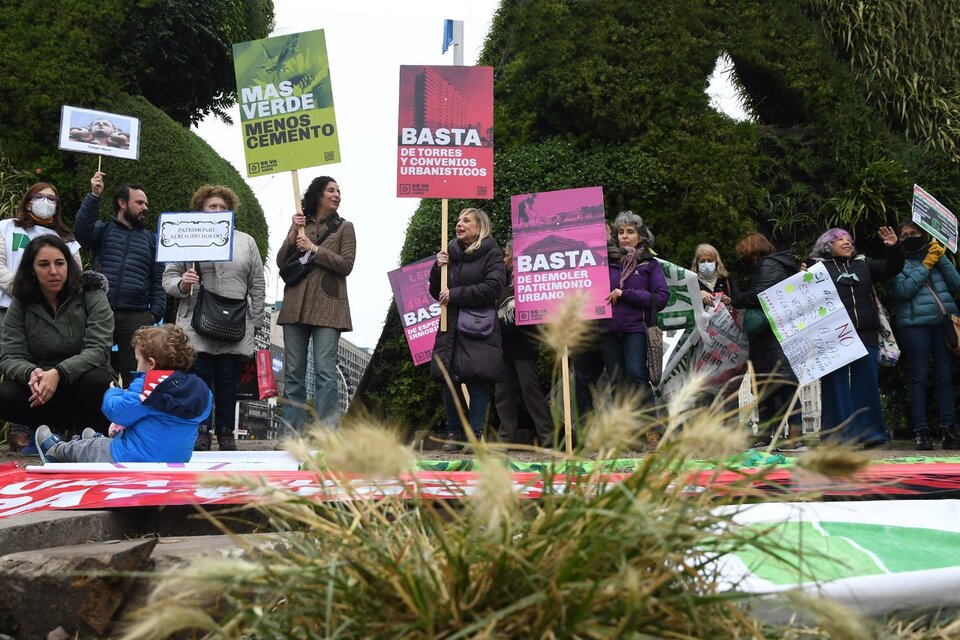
(99,132)
(201,236)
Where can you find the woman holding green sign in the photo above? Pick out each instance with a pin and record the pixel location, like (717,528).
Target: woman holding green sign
(850,396)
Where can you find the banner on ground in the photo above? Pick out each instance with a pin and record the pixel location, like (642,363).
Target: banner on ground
(99,132)
(935,218)
(286,103)
(559,250)
(811,323)
(419,312)
(445,133)
(195,236)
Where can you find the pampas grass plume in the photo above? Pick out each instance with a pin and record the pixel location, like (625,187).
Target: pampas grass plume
(568,329)
(834,461)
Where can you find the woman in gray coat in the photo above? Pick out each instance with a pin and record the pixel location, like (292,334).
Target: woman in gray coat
(475,278)
(218,363)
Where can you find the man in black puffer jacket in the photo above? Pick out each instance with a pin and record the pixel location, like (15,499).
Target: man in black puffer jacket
(124,251)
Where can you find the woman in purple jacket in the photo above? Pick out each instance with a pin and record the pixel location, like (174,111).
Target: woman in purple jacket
(638,291)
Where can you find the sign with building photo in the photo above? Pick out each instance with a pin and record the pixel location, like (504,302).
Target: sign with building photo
(445,132)
(934,218)
(559,250)
(195,236)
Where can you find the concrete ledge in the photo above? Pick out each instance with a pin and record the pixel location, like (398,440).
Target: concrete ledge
(46,529)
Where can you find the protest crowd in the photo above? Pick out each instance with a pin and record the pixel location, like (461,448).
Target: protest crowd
(60,325)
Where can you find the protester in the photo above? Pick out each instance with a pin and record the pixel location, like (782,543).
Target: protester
(475,279)
(55,349)
(155,420)
(218,363)
(38,213)
(124,251)
(714,279)
(927,276)
(316,308)
(850,396)
(638,292)
(520,348)
(777,383)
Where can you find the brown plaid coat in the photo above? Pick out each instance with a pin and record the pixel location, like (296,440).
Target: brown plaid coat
(320,299)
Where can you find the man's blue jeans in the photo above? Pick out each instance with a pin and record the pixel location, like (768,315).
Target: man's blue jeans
(326,399)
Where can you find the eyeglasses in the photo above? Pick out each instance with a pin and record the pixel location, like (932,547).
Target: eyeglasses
(37,197)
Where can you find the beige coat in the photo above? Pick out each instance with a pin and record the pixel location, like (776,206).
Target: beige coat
(242,277)
(320,299)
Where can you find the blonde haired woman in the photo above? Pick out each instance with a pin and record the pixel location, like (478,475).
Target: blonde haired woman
(475,278)
(715,281)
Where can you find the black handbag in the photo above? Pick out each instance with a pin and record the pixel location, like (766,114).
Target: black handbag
(219,317)
(293,270)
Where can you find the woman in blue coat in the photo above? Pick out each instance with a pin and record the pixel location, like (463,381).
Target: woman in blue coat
(926,273)
(638,291)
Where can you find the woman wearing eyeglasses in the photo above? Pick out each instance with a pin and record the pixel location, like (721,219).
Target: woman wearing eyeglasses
(39,213)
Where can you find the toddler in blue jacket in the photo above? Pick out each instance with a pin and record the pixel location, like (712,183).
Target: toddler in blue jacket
(160,411)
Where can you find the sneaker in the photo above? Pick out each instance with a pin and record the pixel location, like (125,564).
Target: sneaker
(924,443)
(204,441)
(762,443)
(89,434)
(793,447)
(950,438)
(226,442)
(45,440)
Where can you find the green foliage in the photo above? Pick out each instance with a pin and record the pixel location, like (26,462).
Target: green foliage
(13,184)
(182,61)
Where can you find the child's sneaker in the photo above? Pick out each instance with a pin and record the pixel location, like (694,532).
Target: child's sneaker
(89,434)
(45,440)
(204,440)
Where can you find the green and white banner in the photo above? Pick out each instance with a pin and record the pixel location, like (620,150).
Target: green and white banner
(286,103)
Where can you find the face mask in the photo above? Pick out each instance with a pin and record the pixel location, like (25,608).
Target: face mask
(913,243)
(43,209)
(707,269)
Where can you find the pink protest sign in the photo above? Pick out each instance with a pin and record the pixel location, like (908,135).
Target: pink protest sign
(559,249)
(419,312)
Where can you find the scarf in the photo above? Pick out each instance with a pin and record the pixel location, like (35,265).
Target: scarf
(711,283)
(628,263)
(40,221)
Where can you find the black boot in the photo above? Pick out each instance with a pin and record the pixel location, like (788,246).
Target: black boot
(950,438)
(924,443)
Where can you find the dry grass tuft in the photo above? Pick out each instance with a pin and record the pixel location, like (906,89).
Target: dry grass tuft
(362,447)
(569,330)
(834,461)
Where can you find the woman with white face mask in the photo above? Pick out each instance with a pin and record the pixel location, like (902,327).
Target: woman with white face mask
(715,282)
(38,213)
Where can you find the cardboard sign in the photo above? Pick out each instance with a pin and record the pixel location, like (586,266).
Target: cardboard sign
(99,132)
(811,323)
(286,103)
(934,218)
(559,249)
(205,236)
(445,133)
(419,312)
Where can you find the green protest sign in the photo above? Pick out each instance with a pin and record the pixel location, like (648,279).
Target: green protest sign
(934,218)
(286,103)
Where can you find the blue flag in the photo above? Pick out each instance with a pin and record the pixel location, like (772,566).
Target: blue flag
(447,34)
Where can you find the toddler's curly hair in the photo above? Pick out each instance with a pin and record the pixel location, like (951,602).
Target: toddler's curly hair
(167,344)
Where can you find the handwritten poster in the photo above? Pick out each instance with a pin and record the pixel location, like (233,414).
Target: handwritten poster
(559,248)
(419,312)
(811,323)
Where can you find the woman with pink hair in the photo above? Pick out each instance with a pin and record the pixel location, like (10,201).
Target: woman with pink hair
(850,396)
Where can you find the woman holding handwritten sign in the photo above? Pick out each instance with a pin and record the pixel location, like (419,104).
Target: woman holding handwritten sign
(850,396)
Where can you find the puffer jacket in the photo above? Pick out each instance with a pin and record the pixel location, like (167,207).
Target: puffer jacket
(76,339)
(126,257)
(475,281)
(645,293)
(160,413)
(239,278)
(771,269)
(916,306)
(855,277)
(519,341)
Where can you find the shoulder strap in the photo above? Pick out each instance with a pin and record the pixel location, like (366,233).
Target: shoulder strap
(936,298)
(334,224)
